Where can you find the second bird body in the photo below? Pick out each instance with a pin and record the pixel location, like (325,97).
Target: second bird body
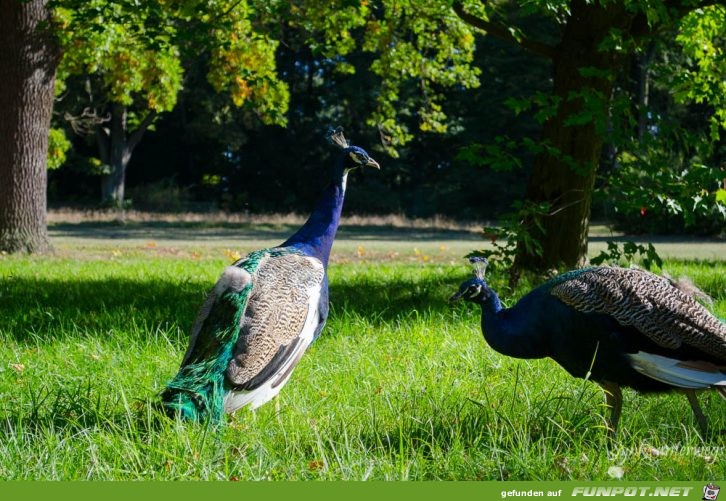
(615,326)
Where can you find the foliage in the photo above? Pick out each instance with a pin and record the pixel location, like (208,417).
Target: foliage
(512,233)
(58,145)
(423,44)
(702,78)
(628,254)
(433,85)
(660,192)
(132,54)
(666,174)
(126,53)
(245,64)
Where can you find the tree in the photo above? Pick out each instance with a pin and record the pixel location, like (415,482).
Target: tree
(128,60)
(28,62)
(596,42)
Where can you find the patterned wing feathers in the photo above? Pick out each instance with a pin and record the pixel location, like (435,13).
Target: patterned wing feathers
(276,313)
(649,303)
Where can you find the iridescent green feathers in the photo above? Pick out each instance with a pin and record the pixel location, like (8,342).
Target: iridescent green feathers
(198,390)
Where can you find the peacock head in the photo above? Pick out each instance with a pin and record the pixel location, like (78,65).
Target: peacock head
(352,156)
(475,289)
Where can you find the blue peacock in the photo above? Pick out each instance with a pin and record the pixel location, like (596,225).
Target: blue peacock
(615,326)
(263,313)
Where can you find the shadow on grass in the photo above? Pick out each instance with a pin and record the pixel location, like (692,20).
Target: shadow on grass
(45,309)
(397,298)
(39,309)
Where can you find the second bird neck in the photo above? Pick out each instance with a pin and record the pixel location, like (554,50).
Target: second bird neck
(508,333)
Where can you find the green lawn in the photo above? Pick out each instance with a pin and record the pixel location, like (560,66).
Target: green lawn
(400,385)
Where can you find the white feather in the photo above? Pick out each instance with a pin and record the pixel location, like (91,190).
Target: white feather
(232,278)
(677,372)
(264,393)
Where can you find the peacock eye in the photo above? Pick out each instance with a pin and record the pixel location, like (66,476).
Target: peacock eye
(357,158)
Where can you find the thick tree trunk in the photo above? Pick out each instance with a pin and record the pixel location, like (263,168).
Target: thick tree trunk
(28,60)
(563,177)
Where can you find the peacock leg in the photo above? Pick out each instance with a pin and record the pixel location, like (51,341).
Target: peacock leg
(697,412)
(614,400)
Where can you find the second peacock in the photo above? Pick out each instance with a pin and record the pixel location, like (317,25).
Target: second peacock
(263,313)
(615,326)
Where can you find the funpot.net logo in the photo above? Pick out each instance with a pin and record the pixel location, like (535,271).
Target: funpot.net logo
(663,491)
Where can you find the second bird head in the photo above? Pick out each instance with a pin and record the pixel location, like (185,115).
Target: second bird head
(475,289)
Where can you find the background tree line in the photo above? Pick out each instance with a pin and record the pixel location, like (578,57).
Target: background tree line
(533,114)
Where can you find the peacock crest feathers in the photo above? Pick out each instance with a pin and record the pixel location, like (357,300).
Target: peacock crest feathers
(650,303)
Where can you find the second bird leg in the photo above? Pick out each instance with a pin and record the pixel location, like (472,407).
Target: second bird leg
(697,412)
(614,400)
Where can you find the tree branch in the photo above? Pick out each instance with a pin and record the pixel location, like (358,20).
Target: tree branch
(501,32)
(135,136)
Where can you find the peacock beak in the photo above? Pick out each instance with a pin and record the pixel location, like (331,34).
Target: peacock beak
(456,296)
(372,163)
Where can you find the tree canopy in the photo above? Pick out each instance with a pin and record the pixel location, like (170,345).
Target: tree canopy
(508,112)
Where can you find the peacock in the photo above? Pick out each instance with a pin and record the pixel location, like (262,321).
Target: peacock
(263,313)
(615,326)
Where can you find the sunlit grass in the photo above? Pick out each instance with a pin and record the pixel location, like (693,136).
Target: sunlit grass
(400,385)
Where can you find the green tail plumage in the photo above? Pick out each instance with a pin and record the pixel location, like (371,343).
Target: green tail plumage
(197,391)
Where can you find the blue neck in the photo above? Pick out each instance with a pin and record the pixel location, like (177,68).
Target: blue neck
(508,332)
(315,237)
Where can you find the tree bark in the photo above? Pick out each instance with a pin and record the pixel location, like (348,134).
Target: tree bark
(116,147)
(29,56)
(563,175)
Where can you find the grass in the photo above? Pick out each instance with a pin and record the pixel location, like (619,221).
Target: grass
(399,386)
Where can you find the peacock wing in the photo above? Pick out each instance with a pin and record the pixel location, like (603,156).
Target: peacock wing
(218,316)
(279,321)
(650,303)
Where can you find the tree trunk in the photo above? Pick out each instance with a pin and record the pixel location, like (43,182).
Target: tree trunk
(29,57)
(116,148)
(563,176)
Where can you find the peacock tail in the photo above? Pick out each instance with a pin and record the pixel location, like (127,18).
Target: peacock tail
(198,390)
(650,303)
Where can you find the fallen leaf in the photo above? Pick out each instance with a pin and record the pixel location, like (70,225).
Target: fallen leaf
(316,464)
(232,255)
(651,451)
